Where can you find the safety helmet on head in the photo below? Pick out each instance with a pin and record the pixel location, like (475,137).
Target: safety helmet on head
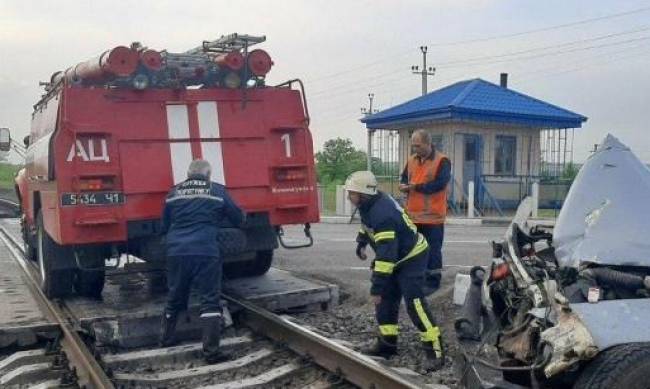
(362,181)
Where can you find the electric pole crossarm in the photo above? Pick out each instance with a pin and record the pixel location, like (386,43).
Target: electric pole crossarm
(425,72)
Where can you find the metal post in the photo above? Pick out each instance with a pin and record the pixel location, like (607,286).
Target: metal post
(426,71)
(470,199)
(369,151)
(535,193)
(424,67)
(368,112)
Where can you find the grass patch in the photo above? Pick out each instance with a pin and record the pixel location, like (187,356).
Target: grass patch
(7,175)
(548,213)
(329,199)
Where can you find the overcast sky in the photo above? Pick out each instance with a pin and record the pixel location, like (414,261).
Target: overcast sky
(591,57)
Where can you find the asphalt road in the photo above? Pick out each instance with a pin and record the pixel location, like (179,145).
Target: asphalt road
(332,256)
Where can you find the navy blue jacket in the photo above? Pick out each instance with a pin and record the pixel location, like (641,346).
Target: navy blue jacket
(393,236)
(192,215)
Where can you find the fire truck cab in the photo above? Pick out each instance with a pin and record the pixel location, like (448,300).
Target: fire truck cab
(104,151)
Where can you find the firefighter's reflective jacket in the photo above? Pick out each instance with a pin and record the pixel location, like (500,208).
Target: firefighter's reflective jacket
(393,236)
(193,212)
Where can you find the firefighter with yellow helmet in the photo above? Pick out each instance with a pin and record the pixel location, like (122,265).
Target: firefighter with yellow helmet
(398,269)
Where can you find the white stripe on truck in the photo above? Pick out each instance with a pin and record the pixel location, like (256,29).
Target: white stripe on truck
(209,128)
(178,127)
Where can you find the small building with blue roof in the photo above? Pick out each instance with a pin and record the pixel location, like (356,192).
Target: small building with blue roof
(500,139)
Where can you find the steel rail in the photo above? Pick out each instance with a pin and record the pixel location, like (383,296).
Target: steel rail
(355,368)
(89,372)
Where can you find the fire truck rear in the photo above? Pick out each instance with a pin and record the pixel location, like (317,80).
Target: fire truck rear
(111,135)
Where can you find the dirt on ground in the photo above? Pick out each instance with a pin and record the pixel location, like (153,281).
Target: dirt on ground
(353,323)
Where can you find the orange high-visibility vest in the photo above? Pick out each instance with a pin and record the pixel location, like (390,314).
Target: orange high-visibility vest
(426,208)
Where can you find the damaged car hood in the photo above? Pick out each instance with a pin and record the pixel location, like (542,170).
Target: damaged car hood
(605,218)
(615,322)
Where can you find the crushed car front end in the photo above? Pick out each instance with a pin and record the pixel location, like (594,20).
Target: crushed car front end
(554,299)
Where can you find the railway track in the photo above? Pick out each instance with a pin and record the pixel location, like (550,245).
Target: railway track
(268,350)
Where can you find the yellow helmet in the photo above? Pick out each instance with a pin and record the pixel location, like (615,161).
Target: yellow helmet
(362,181)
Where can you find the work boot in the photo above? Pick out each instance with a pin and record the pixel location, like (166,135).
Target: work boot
(211,328)
(435,355)
(385,347)
(168,330)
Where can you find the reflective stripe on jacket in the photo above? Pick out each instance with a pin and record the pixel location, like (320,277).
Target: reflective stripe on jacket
(424,208)
(392,234)
(193,212)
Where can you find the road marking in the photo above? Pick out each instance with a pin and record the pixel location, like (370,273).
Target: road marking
(367,268)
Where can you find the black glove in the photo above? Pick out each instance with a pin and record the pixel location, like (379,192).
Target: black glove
(361,251)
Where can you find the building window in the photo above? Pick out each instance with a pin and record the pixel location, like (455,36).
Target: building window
(505,155)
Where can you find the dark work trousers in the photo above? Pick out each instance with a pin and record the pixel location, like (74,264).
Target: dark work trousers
(202,271)
(407,282)
(434,234)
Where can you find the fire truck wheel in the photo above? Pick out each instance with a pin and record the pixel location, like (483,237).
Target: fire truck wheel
(28,241)
(258,265)
(54,282)
(262,263)
(89,282)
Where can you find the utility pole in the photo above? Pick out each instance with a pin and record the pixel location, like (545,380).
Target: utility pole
(425,72)
(369,111)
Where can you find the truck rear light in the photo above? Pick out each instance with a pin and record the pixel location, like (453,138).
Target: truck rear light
(91,184)
(140,82)
(290,175)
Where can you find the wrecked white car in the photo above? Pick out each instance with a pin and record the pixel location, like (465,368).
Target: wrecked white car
(568,307)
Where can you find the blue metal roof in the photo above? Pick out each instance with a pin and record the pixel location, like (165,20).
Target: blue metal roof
(475,100)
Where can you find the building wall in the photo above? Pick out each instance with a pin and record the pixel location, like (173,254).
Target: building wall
(528,154)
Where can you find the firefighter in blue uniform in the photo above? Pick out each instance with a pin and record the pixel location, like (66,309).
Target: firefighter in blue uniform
(401,255)
(191,217)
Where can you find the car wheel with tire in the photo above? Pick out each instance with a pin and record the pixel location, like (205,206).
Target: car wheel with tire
(620,367)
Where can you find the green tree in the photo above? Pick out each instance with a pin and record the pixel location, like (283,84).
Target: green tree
(337,160)
(570,171)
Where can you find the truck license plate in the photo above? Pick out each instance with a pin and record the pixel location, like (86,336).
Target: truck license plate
(97,198)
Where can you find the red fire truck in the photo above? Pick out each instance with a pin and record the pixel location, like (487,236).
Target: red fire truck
(111,135)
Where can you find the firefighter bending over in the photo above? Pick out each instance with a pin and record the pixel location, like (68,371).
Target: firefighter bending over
(401,255)
(191,218)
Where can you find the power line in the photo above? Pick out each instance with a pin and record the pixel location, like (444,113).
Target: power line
(586,66)
(485,39)
(366,82)
(553,53)
(597,38)
(521,78)
(544,29)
